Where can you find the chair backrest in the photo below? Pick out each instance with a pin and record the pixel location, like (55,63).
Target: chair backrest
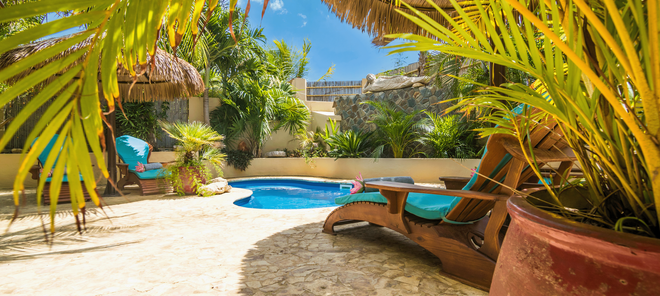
(495,164)
(44,154)
(132,150)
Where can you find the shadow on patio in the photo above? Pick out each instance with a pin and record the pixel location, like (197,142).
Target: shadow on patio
(360,260)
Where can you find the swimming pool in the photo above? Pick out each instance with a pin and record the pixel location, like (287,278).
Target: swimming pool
(290,193)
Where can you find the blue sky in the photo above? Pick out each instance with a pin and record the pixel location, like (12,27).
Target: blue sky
(333,42)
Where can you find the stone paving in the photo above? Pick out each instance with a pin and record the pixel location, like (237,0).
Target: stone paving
(170,245)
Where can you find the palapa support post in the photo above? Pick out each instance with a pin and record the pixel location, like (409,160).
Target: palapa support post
(111,153)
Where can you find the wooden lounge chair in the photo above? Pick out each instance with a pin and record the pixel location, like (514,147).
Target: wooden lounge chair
(455,225)
(132,150)
(65,192)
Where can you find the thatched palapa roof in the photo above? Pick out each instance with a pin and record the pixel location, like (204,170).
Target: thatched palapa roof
(379,18)
(171,78)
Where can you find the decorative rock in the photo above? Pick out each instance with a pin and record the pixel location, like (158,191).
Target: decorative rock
(276,154)
(215,186)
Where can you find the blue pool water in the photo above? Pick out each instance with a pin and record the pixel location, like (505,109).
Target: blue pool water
(290,194)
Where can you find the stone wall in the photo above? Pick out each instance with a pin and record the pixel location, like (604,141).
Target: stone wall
(355,115)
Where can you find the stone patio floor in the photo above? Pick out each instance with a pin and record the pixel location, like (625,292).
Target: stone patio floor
(170,245)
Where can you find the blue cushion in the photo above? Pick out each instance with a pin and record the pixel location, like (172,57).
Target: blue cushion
(153,174)
(44,154)
(427,206)
(132,150)
(65,179)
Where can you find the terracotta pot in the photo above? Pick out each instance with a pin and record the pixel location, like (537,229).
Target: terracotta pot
(546,254)
(186,174)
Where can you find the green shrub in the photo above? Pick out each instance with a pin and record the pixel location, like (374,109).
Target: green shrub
(350,144)
(396,130)
(451,137)
(140,120)
(239,159)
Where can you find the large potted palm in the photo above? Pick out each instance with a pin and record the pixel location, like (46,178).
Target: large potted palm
(597,70)
(198,144)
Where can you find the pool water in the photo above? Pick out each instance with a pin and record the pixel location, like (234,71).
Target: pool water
(290,194)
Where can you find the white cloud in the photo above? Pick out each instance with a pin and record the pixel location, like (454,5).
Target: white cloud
(278,5)
(304,17)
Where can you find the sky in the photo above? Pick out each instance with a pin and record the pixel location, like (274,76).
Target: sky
(333,42)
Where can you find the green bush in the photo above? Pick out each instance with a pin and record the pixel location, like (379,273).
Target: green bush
(350,144)
(239,159)
(451,137)
(398,133)
(140,120)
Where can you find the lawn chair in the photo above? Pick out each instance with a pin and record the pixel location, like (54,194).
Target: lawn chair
(455,225)
(65,192)
(132,150)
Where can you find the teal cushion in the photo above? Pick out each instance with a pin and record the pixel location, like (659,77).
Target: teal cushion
(153,174)
(65,179)
(132,150)
(427,206)
(43,156)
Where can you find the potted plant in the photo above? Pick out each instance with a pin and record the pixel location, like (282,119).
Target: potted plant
(198,144)
(597,70)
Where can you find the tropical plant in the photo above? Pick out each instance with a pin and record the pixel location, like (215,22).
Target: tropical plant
(451,136)
(254,108)
(396,130)
(239,159)
(290,62)
(597,70)
(197,143)
(350,144)
(140,120)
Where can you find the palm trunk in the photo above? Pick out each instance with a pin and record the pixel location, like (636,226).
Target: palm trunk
(207,119)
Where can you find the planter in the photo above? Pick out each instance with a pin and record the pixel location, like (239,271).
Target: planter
(187,176)
(546,254)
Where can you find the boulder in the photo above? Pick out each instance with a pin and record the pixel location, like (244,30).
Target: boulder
(215,186)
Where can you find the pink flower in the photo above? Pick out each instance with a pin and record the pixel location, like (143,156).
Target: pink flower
(358,184)
(139,167)
(357,187)
(473,171)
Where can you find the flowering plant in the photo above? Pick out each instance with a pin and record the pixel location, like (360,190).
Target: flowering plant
(358,184)
(140,167)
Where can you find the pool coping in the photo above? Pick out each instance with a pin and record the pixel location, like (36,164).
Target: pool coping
(298,178)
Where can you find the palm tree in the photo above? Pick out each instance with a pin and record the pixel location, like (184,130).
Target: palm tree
(253,108)
(290,62)
(396,130)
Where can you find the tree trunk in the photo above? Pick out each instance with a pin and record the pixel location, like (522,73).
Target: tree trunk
(207,119)
(497,74)
(422,63)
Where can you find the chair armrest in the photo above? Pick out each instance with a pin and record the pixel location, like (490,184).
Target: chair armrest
(123,168)
(34,170)
(544,156)
(455,182)
(403,187)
